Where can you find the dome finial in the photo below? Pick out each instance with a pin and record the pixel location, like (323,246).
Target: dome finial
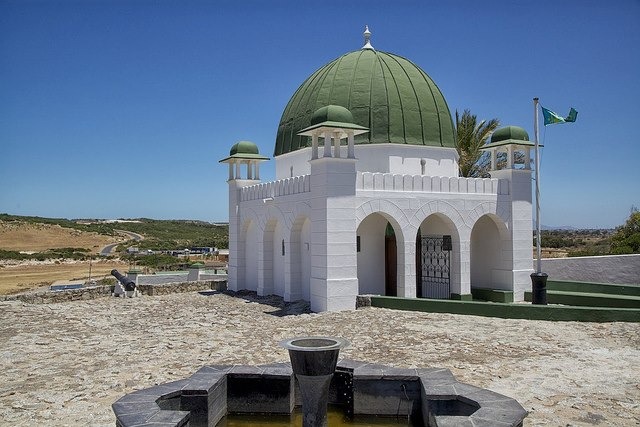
(367,36)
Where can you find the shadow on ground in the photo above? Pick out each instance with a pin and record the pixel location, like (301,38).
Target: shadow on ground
(281,307)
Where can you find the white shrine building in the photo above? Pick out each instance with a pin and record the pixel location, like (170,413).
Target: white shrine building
(368,199)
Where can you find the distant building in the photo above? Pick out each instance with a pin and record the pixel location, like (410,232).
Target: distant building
(368,198)
(202,250)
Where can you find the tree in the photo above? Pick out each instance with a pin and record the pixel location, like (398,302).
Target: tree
(470,137)
(626,239)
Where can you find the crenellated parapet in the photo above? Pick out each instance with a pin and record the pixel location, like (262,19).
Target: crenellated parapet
(281,187)
(368,181)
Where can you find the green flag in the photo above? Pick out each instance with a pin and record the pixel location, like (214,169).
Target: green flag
(573,115)
(551,118)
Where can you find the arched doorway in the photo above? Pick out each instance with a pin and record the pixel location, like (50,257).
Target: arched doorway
(390,262)
(273,252)
(300,281)
(376,246)
(248,276)
(435,258)
(488,267)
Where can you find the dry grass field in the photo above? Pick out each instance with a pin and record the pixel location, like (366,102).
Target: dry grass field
(23,236)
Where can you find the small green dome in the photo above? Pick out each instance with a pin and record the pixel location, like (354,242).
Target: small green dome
(243,147)
(331,113)
(244,150)
(387,94)
(510,132)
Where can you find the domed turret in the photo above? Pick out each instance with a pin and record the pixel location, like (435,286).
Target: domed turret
(510,132)
(509,140)
(244,150)
(331,113)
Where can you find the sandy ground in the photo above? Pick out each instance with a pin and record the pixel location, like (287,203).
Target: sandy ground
(65,364)
(26,236)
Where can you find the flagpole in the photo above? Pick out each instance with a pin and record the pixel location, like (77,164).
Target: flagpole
(538,279)
(537,164)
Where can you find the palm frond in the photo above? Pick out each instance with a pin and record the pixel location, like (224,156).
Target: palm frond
(470,137)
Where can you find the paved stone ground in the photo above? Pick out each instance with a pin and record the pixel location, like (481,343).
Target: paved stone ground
(63,364)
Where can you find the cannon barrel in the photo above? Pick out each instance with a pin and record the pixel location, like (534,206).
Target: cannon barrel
(129,285)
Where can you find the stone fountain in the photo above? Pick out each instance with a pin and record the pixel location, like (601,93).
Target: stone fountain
(429,397)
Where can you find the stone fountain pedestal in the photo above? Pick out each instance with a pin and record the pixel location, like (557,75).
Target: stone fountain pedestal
(314,360)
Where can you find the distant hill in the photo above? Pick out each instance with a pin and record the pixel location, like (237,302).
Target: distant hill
(79,234)
(558,227)
(565,227)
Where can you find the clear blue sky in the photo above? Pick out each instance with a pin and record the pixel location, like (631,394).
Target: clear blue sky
(122,109)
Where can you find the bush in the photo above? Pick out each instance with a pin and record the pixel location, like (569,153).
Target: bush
(626,240)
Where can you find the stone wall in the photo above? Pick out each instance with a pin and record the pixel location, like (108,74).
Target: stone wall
(46,297)
(160,279)
(170,288)
(615,269)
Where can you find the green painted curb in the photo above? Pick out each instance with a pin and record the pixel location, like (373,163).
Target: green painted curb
(510,311)
(494,295)
(589,299)
(463,297)
(594,288)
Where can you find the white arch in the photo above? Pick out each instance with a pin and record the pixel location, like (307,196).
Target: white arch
(271,271)
(442,207)
(298,278)
(439,223)
(384,207)
(497,210)
(490,253)
(371,257)
(248,255)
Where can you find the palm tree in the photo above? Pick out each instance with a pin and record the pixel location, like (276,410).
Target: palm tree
(470,137)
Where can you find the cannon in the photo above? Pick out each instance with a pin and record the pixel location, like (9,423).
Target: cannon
(129,285)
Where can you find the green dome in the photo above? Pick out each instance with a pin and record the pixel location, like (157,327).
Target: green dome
(386,93)
(331,113)
(244,150)
(243,147)
(510,132)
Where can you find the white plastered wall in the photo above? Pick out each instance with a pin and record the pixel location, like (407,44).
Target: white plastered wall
(384,158)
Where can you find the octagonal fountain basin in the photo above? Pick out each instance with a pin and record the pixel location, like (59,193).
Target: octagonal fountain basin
(218,393)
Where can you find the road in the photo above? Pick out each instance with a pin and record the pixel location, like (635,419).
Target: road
(106,251)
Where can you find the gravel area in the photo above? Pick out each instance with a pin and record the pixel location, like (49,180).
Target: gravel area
(64,364)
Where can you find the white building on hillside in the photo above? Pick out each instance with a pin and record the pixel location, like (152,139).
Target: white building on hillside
(368,198)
